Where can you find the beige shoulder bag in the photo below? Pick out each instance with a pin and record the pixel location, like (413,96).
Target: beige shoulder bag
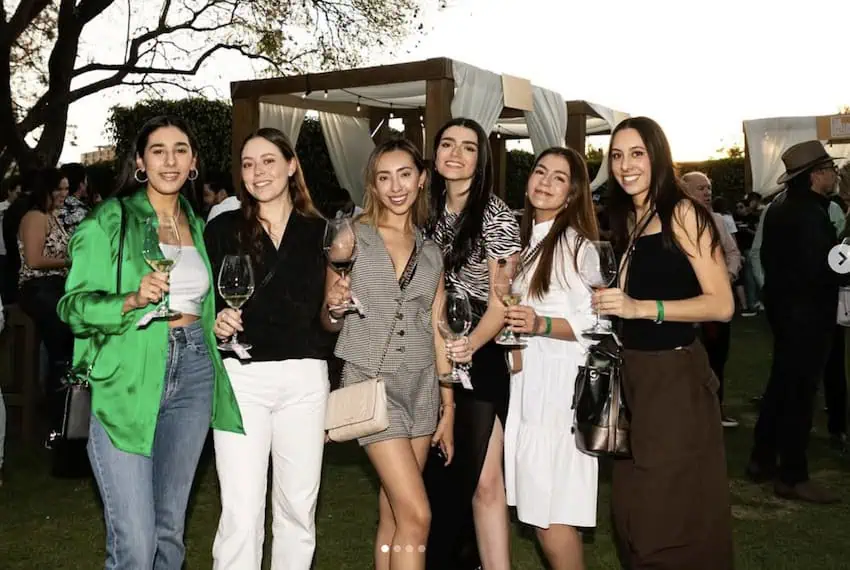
(360,409)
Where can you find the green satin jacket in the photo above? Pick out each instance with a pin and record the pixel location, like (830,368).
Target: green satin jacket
(129,370)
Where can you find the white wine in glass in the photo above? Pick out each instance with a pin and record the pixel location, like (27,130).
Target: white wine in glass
(235,285)
(503,286)
(161,250)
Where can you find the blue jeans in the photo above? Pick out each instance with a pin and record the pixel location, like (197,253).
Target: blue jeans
(145,498)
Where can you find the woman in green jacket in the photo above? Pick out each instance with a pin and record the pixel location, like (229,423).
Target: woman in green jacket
(156,387)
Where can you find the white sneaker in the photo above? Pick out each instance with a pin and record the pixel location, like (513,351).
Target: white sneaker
(728,422)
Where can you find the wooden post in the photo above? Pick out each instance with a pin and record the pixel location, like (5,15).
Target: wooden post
(576,132)
(500,159)
(20,345)
(246,119)
(438,109)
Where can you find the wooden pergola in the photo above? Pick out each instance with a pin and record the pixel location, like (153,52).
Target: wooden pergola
(310,91)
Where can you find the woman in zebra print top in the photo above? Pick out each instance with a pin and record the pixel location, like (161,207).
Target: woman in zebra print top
(474,229)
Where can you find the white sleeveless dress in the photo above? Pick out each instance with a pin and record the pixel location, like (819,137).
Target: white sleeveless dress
(547,478)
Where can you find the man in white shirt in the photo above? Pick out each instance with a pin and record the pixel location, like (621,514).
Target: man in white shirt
(219,197)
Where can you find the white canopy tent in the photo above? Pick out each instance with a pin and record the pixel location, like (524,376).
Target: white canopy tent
(355,106)
(767,139)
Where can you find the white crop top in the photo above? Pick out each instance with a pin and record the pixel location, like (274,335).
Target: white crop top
(189,281)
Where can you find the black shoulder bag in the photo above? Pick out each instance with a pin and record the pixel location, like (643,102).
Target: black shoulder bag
(76,414)
(601,416)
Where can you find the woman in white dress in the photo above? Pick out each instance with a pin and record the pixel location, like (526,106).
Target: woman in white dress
(551,483)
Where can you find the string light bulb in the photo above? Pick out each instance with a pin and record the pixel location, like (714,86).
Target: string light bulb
(358,104)
(326,93)
(392,115)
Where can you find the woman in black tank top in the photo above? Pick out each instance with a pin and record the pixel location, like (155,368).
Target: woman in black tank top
(671,500)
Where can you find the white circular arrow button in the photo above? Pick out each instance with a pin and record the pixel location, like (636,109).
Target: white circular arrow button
(839,258)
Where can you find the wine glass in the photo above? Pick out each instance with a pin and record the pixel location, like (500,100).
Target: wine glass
(161,250)
(508,294)
(341,250)
(454,319)
(235,285)
(597,267)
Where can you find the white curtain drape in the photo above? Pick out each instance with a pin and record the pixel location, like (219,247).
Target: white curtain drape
(478,95)
(349,146)
(767,139)
(286,119)
(613,118)
(547,123)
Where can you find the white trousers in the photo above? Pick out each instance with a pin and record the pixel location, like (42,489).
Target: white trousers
(283,411)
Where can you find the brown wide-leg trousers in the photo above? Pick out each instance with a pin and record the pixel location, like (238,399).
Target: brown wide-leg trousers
(671,500)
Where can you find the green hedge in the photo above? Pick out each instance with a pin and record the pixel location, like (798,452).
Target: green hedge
(209,119)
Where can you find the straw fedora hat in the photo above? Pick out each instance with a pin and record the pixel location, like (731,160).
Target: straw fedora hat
(801,157)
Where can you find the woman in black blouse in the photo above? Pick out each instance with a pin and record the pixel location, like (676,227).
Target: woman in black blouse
(475,229)
(282,389)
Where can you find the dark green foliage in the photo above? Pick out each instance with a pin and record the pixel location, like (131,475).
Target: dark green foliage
(209,119)
(727,176)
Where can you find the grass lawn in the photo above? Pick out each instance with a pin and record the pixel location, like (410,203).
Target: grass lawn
(48,524)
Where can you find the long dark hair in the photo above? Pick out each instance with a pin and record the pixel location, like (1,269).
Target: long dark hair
(39,185)
(127,183)
(579,214)
(373,208)
(665,190)
(251,229)
(471,220)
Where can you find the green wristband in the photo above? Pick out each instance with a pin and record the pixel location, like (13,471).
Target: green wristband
(659,308)
(548,326)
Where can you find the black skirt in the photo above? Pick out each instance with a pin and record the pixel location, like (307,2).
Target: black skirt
(451,543)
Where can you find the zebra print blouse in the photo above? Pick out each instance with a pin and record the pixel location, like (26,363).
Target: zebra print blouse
(499,239)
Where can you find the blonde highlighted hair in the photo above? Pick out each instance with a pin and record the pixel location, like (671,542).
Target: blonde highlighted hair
(373,209)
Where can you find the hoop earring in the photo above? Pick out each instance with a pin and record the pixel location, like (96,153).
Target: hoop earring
(137,176)
(195,177)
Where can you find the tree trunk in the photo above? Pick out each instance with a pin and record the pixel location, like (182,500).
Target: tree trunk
(61,67)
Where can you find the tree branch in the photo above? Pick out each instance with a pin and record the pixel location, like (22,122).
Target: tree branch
(88,10)
(119,77)
(28,10)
